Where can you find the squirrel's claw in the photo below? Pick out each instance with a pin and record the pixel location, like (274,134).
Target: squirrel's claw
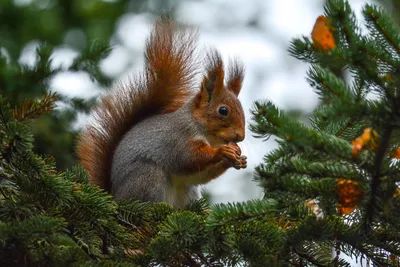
(230,152)
(241,164)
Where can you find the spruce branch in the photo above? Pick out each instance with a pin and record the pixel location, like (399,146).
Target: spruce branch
(344,21)
(203,259)
(376,180)
(199,206)
(308,258)
(272,121)
(5,112)
(385,59)
(132,212)
(34,109)
(326,169)
(327,85)
(302,50)
(382,27)
(221,214)
(89,61)
(348,125)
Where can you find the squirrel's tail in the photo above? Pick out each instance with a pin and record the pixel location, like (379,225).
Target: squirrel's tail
(164,87)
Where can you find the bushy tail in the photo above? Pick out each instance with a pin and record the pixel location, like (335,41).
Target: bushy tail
(163,87)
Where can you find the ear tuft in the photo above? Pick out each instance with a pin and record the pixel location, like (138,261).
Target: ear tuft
(213,81)
(235,76)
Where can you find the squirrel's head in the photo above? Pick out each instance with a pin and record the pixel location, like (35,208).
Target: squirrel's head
(217,106)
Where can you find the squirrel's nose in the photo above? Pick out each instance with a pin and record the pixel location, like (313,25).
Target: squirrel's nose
(239,137)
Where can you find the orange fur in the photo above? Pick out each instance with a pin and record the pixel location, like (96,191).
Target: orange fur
(163,87)
(213,94)
(213,82)
(208,162)
(203,156)
(235,76)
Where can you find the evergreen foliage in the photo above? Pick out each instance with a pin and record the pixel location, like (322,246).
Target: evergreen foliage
(331,188)
(85,27)
(323,163)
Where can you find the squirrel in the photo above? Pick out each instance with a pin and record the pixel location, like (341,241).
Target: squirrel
(158,137)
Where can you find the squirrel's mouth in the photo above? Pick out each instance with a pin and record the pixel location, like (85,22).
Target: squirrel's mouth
(225,141)
(218,141)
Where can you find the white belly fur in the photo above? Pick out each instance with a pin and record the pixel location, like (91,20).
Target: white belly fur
(181,190)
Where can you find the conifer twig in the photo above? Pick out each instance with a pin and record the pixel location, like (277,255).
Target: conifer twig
(308,257)
(375,182)
(344,128)
(375,19)
(203,259)
(33,109)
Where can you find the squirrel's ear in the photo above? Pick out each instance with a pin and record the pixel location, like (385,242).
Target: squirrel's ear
(235,76)
(213,81)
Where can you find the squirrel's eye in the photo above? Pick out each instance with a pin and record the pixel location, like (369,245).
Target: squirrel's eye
(223,111)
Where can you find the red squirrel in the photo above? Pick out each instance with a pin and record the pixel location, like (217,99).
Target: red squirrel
(161,135)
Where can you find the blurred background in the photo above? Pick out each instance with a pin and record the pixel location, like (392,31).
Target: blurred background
(110,35)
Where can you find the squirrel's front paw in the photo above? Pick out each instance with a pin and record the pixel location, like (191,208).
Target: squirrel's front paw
(242,164)
(232,153)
